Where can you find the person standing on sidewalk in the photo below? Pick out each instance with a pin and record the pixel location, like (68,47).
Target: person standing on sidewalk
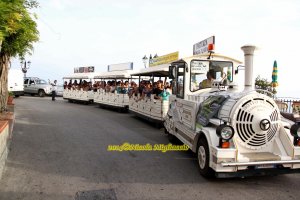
(54,89)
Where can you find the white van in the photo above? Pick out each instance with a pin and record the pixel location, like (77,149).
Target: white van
(15,82)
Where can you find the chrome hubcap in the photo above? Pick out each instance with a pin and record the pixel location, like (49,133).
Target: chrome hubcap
(201,157)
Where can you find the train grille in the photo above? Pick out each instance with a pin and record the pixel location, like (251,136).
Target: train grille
(247,124)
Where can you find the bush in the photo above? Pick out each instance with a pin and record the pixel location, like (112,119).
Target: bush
(264,84)
(10,93)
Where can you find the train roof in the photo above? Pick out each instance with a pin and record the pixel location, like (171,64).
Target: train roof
(159,70)
(81,76)
(214,56)
(115,74)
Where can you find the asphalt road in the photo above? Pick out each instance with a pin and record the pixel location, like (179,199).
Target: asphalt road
(59,152)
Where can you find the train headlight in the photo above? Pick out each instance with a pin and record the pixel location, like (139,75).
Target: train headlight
(295,130)
(225,132)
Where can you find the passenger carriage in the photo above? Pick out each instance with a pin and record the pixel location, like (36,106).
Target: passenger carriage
(149,108)
(76,92)
(117,98)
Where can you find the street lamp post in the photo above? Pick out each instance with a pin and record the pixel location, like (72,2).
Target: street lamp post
(25,66)
(145,60)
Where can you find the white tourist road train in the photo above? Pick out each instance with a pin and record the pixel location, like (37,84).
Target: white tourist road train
(234,130)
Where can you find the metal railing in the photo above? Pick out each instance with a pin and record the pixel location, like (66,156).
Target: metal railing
(289,105)
(285,104)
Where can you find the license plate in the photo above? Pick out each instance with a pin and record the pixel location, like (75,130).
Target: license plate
(264,166)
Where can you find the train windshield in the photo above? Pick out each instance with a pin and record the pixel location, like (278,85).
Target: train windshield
(204,72)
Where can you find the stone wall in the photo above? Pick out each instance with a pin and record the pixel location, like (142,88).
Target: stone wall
(4,140)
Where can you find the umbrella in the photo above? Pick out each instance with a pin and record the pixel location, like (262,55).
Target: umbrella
(274,75)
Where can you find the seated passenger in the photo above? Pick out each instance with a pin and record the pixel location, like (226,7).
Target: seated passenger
(169,89)
(107,87)
(167,84)
(118,87)
(85,86)
(147,91)
(65,85)
(154,86)
(164,95)
(102,85)
(133,89)
(141,87)
(206,83)
(79,86)
(125,87)
(90,86)
(96,86)
(75,85)
(70,84)
(113,87)
(158,90)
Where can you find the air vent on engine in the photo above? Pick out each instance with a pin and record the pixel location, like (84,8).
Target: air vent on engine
(256,121)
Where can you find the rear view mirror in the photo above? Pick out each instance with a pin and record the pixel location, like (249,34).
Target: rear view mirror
(172,72)
(237,69)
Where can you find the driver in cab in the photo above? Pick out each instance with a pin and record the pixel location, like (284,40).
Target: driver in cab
(206,83)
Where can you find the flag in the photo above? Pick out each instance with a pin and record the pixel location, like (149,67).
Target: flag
(274,75)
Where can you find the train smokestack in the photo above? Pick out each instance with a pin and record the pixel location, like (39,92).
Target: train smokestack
(248,53)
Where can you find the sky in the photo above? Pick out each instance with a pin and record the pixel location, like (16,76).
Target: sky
(76,33)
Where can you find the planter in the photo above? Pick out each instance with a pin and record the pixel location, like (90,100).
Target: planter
(10,100)
(3,125)
(10,117)
(11,108)
(4,134)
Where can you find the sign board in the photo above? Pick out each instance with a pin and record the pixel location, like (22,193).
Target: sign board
(199,67)
(89,69)
(202,47)
(120,67)
(165,59)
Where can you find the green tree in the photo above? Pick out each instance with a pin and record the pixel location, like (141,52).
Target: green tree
(264,84)
(18,32)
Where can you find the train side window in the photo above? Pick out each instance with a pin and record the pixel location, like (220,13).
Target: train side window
(26,81)
(180,81)
(199,69)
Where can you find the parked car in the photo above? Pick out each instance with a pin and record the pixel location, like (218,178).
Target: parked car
(36,86)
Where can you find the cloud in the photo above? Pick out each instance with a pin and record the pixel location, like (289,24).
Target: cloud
(101,32)
(56,4)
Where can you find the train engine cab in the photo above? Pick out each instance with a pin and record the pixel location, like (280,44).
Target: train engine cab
(234,131)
